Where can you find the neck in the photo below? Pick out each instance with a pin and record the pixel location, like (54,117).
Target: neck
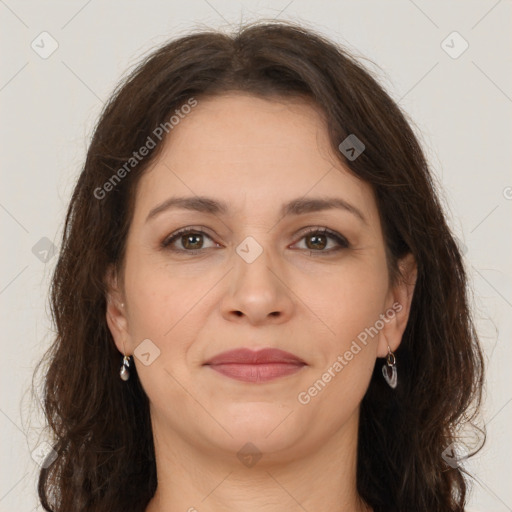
(319,478)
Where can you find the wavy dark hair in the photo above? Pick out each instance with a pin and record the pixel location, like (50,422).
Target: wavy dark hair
(100,426)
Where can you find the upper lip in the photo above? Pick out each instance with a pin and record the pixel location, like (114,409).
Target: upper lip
(248,356)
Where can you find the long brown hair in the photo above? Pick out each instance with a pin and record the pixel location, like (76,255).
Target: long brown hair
(101,425)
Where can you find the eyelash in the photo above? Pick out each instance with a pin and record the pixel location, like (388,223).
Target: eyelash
(341,240)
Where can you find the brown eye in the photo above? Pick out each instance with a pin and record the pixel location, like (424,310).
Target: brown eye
(187,240)
(316,241)
(192,241)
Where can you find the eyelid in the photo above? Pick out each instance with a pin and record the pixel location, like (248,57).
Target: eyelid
(342,240)
(200,230)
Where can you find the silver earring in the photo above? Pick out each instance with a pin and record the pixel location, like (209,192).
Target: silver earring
(389,369)
(124,373)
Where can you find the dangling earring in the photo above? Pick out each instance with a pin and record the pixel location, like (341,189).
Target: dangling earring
(124,373)
(389,369)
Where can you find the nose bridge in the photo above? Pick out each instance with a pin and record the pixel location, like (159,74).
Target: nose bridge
(255,290)
(253,264)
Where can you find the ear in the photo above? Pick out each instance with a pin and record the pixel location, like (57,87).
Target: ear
(116,314)
(398,306)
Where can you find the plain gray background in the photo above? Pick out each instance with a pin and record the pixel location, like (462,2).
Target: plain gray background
(460,104)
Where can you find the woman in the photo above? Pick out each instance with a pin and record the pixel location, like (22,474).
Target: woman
(259,304)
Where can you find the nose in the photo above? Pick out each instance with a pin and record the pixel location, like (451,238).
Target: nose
(258,292)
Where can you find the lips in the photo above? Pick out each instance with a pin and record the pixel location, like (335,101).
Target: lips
(255,366)
(246,356)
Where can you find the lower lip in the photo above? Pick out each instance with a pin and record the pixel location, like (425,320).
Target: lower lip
(256,372)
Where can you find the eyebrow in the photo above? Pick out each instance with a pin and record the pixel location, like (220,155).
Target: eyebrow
(297,206)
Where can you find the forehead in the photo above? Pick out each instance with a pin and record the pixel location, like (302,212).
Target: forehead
(249,150)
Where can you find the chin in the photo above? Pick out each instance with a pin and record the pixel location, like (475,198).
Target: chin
(269,426)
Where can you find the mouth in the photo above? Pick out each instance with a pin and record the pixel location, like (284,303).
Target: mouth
(260,366)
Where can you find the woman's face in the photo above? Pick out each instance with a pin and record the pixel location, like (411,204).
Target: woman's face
(254,273)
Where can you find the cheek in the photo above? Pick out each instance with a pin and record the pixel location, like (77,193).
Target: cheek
(159,302)
(170,307)
(162,311)
(347,299)
(349,302)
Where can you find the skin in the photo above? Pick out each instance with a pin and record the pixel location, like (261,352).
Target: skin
(255,154)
